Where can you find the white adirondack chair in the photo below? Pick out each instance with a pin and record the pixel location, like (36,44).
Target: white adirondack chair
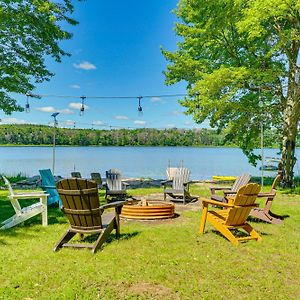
(180,185)
(25,213)
(170,173)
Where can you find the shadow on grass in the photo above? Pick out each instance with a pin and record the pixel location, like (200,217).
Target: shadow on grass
(237,233)
(111,238)
(2,242)
(257,220)
(55,216)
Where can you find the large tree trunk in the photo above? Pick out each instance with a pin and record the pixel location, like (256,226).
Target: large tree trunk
(290,127)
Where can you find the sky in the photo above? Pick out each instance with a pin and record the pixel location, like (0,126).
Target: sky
(115,51)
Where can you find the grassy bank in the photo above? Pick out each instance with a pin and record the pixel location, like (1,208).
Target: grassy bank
(164,260)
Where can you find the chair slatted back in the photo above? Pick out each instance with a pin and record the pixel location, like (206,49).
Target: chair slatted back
(170,172)
(47,177)
(76,174)
(180,176)
(114,180)
(240,181)
(80,203)
(48,181)
(8,185)
(14,202)
(97,178)
(243,202)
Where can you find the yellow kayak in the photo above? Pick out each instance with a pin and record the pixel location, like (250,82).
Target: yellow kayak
(224,178)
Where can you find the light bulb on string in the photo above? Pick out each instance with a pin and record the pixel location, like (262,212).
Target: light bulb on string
(140,109)
(82,106)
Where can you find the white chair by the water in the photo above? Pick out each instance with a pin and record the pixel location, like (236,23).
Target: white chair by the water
(25,213)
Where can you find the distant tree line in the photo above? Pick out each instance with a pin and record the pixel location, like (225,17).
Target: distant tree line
(43,135)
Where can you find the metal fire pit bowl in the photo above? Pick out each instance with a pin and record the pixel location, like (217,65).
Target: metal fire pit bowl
(147,209)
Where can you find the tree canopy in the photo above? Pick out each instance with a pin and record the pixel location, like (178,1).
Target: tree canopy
(239,59)
(30,31)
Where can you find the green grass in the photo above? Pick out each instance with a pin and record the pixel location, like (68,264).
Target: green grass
(164,260)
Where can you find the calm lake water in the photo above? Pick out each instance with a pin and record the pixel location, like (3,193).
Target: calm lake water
(132,161)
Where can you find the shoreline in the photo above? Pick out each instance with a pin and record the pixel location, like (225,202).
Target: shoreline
(127,146)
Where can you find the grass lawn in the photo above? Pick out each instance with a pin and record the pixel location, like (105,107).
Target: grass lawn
(164,260)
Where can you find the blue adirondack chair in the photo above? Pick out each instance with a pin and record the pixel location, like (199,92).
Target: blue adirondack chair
(49,185)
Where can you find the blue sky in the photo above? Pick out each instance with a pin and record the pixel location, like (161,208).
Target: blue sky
(115,52)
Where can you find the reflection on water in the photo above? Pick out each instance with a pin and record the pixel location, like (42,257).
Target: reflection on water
(132,161)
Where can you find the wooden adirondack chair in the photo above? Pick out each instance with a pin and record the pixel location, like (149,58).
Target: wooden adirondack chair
(229,191)
(49,185)
(97,178)
(180,186)
(82,208)
(234,215)
(25,213)
(76,174)
(115,188)
(265,214)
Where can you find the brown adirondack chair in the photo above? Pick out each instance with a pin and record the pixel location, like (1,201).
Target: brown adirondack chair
(76,175)
(234,215)
(229,191)
(179,190)
(97,178)
(115,188)
(82,208)
(265,213)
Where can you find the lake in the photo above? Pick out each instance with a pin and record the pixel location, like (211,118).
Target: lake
(132,161)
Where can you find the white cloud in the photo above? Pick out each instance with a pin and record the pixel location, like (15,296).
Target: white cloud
(46,109)
(66,111)
(156,99)
(74,86)
(98,122)
(121,117)
(51,109)
(139,122)
(12,121)
(77,105)
(85,65)
(170,125)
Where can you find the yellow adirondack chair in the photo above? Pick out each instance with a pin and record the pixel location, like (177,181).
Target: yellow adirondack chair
(234,215)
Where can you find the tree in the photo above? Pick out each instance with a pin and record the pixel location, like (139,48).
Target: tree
(240,61)
(30,30)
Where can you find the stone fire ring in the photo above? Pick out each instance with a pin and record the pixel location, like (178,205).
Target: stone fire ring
(147,210)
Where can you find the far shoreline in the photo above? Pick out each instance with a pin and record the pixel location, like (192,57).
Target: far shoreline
(135,146)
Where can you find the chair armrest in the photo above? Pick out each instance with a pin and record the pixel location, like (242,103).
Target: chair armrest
(48,186)
(164,182)
(188,182)
(125,184)
(252,205)
(113,204)
(260,195)
(219,188)
(214,202)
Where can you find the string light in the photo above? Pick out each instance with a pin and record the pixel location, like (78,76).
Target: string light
(140,109)
(82,106)
(107,97)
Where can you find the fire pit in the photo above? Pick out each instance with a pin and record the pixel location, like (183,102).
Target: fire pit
(147,209)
